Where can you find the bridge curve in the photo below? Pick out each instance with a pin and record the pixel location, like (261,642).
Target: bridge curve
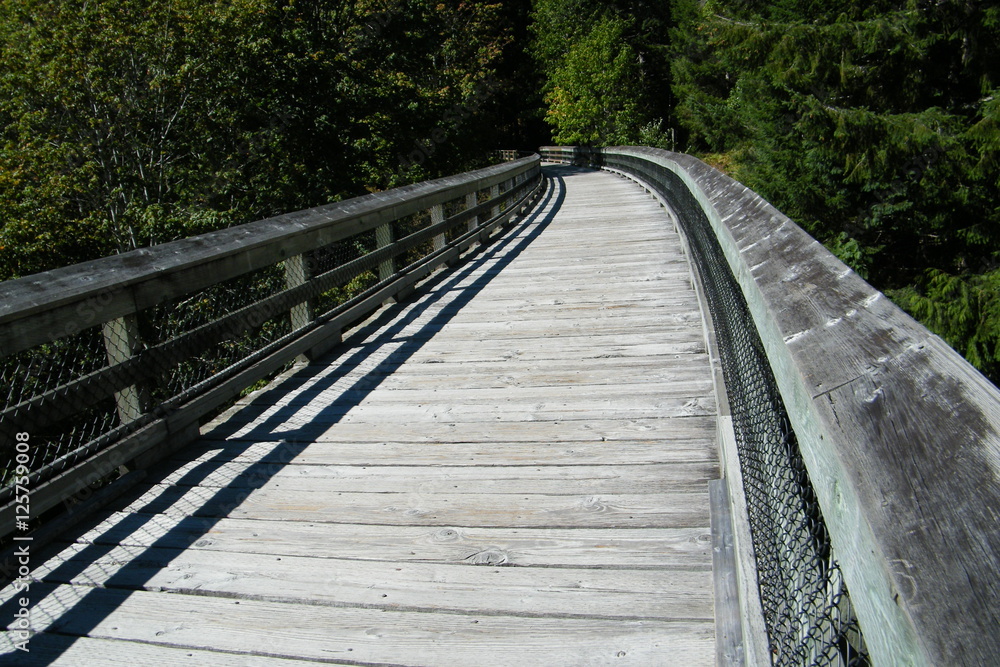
(857,450)
(512,467)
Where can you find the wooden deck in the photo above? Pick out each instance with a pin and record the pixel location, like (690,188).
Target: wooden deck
(510,469)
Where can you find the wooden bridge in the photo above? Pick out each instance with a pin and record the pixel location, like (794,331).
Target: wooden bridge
(528,457)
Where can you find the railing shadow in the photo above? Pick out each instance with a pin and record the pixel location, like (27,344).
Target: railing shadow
(66,619)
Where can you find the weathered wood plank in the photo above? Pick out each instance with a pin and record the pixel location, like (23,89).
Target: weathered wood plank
(728,624)
(617,391)
(507,412)
(668,315)
(47,649)
(562,292)
(594,400)
(647,510)
(548,480)
(557,348)
(559,289)
(373,636)
(637,258)
(312,425)
(645,297)
(505,277)
(629,548)
(682,374)
(506,329)
(552,591)
(632,369)
(679,448)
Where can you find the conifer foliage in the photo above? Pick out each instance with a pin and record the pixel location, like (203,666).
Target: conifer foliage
(872,124)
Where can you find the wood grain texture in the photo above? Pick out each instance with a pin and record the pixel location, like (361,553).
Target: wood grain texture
(273,455)
(365,636)
(69,651)
(552,479)
(511,468)
(685,548)
(526,510)
(553,591)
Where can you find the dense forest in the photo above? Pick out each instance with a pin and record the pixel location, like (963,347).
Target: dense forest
(873,124)
(127,123)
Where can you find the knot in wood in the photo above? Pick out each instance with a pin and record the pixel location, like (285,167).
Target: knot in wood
(491,556)
(446,535)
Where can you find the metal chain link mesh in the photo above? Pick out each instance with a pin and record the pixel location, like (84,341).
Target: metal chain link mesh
(807,609)
(336,255)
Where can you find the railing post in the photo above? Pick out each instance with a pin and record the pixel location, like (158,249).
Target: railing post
(121,341)
(495,196)
(383,238)
(297,272)
(437,215)
(521,178)
(471,201)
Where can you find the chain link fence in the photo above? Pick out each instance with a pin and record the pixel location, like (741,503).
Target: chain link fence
(807,609)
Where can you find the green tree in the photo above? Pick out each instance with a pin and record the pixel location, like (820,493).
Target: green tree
(964,310)
(605,68)
(872,124)
(103,114)
(593,95)
(124,124)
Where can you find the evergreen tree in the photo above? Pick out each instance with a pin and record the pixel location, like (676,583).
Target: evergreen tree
(872,124)
(605,70)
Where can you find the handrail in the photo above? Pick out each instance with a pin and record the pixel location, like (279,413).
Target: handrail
(900,436)
(113,362)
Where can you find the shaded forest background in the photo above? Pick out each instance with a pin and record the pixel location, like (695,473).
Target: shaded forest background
(873,124)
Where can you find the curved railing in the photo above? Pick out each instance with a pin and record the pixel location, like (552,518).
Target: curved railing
(890,453)
(112,363)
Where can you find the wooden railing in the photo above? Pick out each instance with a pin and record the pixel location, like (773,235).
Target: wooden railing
(900,436)
(111,364)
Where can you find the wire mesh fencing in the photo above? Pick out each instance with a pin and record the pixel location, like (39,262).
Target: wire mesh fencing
(83,376)
(806,605)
